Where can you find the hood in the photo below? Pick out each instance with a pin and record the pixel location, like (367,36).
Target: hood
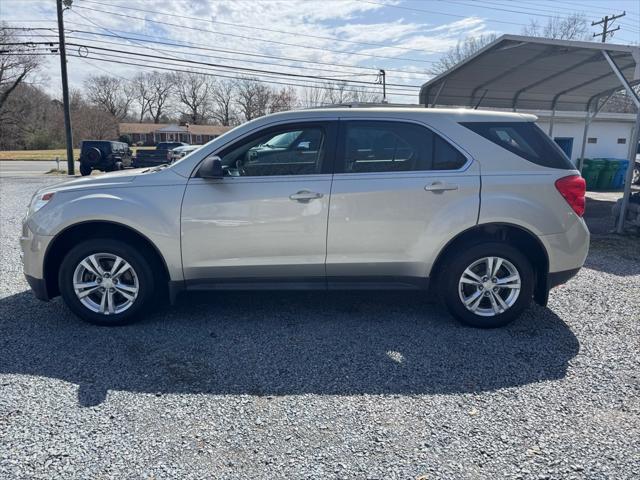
(111,179)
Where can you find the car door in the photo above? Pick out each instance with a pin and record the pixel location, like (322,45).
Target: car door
(266,219)
(400,192)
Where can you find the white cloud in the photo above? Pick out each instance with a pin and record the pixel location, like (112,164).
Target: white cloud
(301,23)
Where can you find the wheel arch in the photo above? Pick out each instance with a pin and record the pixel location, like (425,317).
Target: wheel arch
(82,231)
(516,235)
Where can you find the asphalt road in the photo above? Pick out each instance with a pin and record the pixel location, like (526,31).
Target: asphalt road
(30,167)
(318,385)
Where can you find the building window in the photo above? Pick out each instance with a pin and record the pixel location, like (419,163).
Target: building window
(622,141)
(592,140)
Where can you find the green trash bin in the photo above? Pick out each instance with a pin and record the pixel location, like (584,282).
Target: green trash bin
(590,173)
(607,173)
(597,166)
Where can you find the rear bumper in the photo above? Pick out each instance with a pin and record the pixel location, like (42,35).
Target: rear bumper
(568,250)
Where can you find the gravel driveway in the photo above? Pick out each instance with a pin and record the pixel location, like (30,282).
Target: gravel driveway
(319,385)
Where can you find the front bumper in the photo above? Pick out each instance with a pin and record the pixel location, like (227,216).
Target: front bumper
(33,250)
(39,287)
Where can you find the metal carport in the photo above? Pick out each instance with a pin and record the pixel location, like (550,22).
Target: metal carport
(518,72)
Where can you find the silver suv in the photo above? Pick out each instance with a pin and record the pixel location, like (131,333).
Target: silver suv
(481,206)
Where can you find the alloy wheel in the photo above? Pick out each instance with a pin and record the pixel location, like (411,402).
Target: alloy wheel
(105,283)
(489,286)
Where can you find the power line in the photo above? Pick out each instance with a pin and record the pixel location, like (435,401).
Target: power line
(191,45)
(252,70)
(526,10)
(412,9)
(227,68)
(106,42)
(297,34)
(234,68)
(339,52)
(566,11)
(323,86)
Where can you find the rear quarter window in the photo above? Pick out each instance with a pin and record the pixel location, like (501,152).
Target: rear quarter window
(525,139)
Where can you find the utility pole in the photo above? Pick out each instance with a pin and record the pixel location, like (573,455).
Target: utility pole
(383,79)
(65,85)
(606,22)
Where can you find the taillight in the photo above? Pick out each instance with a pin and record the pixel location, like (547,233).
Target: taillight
(573,189)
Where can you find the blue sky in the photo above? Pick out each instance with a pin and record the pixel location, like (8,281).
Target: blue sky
(404,37)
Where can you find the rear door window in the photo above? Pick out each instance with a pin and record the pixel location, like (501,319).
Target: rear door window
(379,146)
(525,139)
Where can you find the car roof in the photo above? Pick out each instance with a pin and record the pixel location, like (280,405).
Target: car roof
(453,114)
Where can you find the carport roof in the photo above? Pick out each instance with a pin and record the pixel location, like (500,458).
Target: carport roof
(534,73)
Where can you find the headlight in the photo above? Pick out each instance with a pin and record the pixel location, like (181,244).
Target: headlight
(39,200)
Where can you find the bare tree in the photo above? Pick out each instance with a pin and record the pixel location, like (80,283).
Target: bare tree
(223,96)
(463,49)
(153,92)
(28,119)
(364,95)
(193,92)
(142,91)
(571,27)
(253,98)
(336,93)
(161,87)
(312,97)
(111,94)
(16,63)
(283,100)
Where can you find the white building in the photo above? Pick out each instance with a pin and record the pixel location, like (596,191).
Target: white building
(608,137)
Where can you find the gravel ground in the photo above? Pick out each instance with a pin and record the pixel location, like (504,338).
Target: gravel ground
(318,385)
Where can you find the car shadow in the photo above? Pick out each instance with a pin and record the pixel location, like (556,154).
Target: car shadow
(283,343)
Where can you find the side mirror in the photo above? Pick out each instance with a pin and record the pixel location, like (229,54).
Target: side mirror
(211,167)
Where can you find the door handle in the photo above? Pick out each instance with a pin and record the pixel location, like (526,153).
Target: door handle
(305,196)
(440,187)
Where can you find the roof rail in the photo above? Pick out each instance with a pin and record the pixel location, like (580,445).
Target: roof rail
(367,105)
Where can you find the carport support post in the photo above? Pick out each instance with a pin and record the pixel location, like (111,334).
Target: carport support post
(633,147)
(634,141)
(551,119)
(587,122)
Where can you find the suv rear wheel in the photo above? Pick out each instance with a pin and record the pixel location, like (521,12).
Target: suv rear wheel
(106,282)
(85,169)
(487,285)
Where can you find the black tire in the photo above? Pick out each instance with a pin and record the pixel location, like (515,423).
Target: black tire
(94,155)
(140,264)
(456,263)
(85,169)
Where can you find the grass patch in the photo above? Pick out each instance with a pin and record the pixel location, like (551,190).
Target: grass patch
(56,171)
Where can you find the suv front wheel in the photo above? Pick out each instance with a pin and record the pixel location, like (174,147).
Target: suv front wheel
(106,282)
(487,285)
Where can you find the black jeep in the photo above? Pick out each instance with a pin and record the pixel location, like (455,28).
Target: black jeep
(103,155)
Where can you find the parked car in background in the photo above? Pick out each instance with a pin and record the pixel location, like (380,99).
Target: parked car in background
(182,151)
(159,156)
(103,155)
(482,207)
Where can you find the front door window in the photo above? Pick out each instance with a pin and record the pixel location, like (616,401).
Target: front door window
(296,150)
